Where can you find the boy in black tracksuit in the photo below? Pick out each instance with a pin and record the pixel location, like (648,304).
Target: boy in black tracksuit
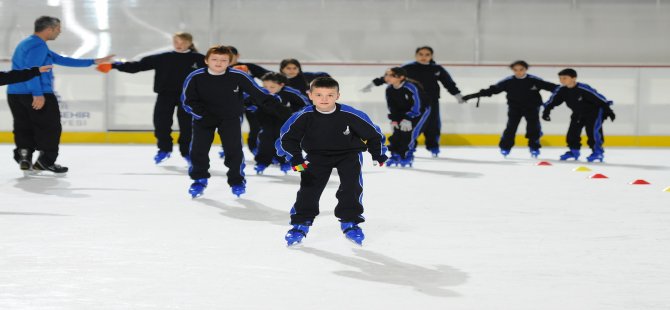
(589,109)
(171,68)
(213,95)
(425,71)
(332,135)
(272,118)
(523,101)
(408,113)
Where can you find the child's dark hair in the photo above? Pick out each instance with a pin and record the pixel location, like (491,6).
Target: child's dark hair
(425,47)
(568,72)
(400,72)
(275,77)
(324,82)
(219,50)
(234,50)
(290,61)
(519,63)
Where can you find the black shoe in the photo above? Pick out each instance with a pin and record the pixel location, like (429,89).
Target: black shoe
(55,168)
(25,159)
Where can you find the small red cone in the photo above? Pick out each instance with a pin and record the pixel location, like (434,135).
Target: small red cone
(544,163)
(598,176)
(639,182)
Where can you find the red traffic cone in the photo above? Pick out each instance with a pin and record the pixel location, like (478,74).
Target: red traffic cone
(639,182)
(598,176)
(543,163)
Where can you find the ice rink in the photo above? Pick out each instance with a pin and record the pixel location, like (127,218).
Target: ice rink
(468,230)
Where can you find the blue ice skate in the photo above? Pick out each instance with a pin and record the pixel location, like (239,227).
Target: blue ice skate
(407,161)
(504,152)
(570,154)
(222,154)
(393,160)
(285,167)
(161,156)
(197,188)
(596,156)
(296,234)
(353,232)
(239,189)
(434,151)
(260,168)
(534,153)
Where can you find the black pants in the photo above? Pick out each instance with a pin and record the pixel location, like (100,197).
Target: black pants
(163,116)
(403,143)
(231,137)
(593,123)
(433,126)
(533,127)
(313,181)
(36,129)
(254,130)
(266,140)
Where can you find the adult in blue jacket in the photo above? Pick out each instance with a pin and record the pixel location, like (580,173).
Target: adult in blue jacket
(33,104)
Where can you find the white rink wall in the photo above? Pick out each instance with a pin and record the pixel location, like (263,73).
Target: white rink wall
(94,102)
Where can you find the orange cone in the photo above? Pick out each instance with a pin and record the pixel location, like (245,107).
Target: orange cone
(640,182)
(544,163)
(598,176)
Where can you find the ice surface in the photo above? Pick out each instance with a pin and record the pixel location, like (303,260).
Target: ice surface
(469,230)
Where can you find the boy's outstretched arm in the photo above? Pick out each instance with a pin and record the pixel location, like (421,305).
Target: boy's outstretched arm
(290,136)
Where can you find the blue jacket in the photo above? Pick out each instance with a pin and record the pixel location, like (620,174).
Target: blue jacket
(34,52)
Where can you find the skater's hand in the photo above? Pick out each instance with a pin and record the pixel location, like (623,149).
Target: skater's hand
(46,68)
(459,98)
(405,125)
(394,125)
(545,116)
(38,102)
(105,59)
(380,161)
(367,88)
(609,113)
(104,68)
(300,167)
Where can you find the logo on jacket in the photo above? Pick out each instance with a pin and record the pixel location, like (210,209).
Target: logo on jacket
(347,132)
(236,89)
(437,73)
(533,88)
(195,65)
(580,98)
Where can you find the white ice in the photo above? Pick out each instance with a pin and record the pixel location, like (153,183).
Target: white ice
(468,230)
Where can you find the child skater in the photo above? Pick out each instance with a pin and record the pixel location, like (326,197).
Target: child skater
(213,97)
(171,68)
(296,77)
(405,101)
(589,109)
(523,101)
(271,119)
(425,71)
(332,135)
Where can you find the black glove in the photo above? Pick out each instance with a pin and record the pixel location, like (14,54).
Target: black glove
(470,96)
(545,115)
(609,113)
(380,160)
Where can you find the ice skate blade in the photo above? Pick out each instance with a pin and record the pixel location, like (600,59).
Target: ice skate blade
(355,242)
(295,245)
